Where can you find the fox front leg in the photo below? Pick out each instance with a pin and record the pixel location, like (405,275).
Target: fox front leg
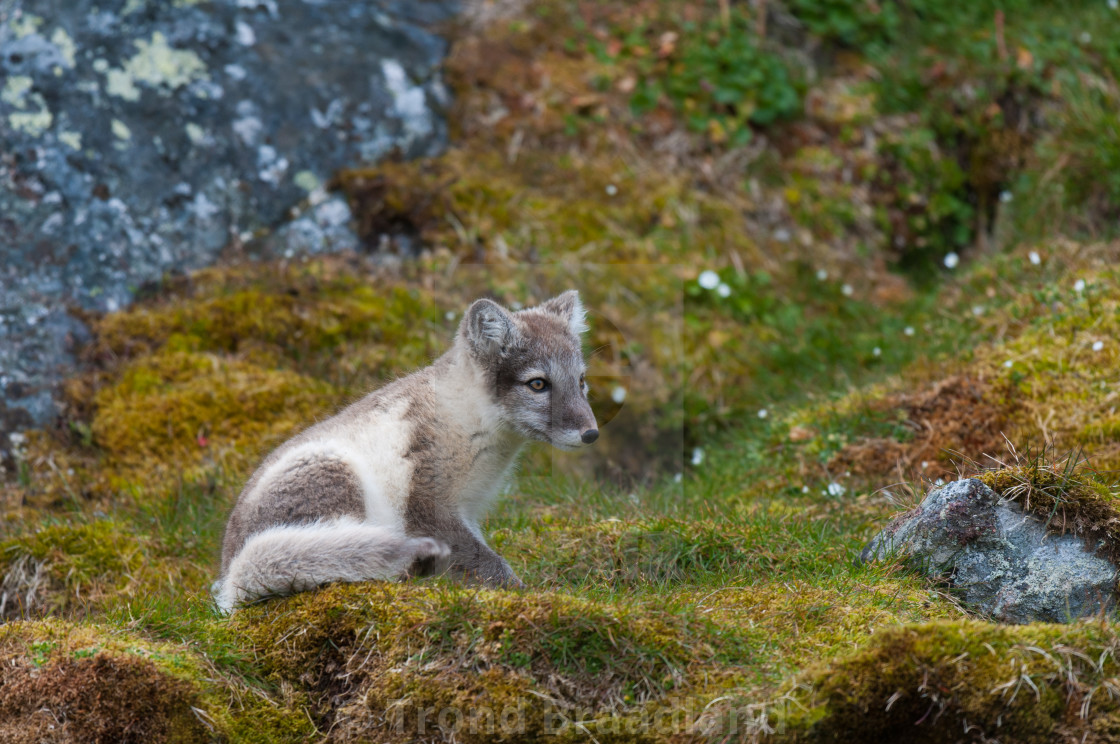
(473,561)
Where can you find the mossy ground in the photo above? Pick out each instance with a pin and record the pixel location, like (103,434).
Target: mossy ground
(692,578)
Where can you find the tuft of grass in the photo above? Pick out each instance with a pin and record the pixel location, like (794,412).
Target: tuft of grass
(1062,491)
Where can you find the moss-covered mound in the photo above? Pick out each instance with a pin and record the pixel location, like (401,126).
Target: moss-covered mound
(432,662)
(964,681)
(100,699)
(62,683)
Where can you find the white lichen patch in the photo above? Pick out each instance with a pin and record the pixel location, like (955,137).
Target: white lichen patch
(121,130)
(73,140)
(157,65)
(24,24)
(66,46)
(33,123)
(15,91)
(245,34)
(196,134)
(409,101)
(272,165)
(119,83)
(306,180)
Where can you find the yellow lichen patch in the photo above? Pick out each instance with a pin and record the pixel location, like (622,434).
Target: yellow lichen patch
(176,412)
(927,683)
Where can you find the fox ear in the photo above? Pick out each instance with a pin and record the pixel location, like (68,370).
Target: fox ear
(488,327)
(570,310)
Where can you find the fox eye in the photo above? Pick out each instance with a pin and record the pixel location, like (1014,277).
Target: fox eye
(537,385)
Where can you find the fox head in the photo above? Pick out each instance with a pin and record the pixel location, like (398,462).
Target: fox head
(533,364)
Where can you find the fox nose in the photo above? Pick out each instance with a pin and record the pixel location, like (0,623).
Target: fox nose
(589,436)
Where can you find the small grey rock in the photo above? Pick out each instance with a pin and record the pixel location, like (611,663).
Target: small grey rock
(1000,559)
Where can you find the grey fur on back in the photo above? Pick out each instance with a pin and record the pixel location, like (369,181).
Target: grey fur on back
(398,483)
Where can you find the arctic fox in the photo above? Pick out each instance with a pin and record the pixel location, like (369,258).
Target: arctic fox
(397,483)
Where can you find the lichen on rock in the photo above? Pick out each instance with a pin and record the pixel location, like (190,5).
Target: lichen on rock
(141,143)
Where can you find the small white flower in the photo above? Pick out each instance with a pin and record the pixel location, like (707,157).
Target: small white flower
(611,189)
(1008,363)
(697,456)
(1098,345)
(1113,4)
(939,482)
(977,310)
(781,235)
(723,290)
(678,477)
(449,315)
(821,275)
(1085,37)
(925,464)
(847,290)
(763,413)
(951,260)
(876,351)
(1006,196)
(1036,259)
(1079,285)
(804,489)
(709,279)
(908,330)
(618,394)
(835,489)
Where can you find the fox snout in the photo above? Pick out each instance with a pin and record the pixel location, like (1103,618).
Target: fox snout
(574,427)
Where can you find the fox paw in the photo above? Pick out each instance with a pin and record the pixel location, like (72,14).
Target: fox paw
(429,556)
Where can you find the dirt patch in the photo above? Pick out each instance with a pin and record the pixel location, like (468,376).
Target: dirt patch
(95,699)
(958,416)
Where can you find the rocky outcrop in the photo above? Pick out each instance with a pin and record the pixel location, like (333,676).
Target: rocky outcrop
(141,137)
(1002,560)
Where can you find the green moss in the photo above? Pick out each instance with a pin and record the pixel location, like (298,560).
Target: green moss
(66,567)
(82,551)
(927,683)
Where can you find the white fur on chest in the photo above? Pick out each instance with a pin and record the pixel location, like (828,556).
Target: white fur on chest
(490,448)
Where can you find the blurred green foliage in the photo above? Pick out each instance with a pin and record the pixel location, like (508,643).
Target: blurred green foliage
(718,77)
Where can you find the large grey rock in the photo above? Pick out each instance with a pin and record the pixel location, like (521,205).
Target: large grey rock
(999,558)
(139,137)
